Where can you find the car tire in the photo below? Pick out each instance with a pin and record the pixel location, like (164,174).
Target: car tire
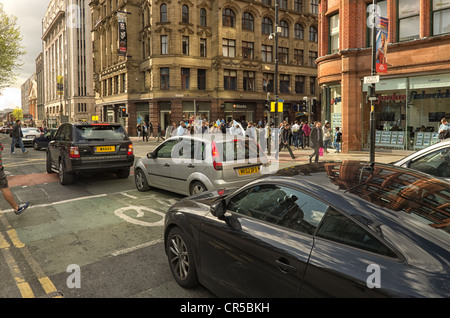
(48,164)
(197,187)
(141,181)
(65,178)
(35,146)
(181,260)
(123,173)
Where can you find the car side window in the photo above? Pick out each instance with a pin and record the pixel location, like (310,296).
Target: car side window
(280,205)
(436,163)
(165,151)
(59,133)
(338,228)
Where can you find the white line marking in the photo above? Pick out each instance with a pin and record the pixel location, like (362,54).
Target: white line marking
(129,195)
(134,248)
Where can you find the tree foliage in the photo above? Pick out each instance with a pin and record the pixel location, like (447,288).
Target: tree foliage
(10,48)
(17,113)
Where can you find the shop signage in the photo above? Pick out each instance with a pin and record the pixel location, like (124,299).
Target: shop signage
(415,95)
(122,38)
(240,106)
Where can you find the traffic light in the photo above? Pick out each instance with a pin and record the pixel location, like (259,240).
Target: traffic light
(314,106)
(123,112)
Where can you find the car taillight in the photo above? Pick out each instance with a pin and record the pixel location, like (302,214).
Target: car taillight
(74,152)
(130,150)
(216,157)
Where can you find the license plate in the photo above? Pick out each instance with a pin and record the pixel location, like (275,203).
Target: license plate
(30,137)
(105,149)
(249,170)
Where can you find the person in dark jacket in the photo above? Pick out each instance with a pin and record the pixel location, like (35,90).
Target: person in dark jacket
(17,135)
(316,140)
(284,142)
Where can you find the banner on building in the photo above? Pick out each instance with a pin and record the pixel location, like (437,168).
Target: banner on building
(382,42)
(60,85)
(122,37)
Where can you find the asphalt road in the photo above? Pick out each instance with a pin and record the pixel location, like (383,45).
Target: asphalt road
(98,237)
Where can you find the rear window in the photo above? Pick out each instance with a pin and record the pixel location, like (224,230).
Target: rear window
(104,132)
(237,149)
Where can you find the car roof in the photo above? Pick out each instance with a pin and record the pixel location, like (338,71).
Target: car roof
(441,144)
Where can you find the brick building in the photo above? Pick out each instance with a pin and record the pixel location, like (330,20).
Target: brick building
(208,59)
(412,96)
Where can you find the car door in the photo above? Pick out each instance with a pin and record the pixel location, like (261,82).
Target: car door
(182,165)
(57,145)
(262,247)
(159,166)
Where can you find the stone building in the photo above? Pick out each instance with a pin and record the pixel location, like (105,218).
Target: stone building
(202,59)
(411,97)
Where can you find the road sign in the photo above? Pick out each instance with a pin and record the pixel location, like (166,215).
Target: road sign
(371,79)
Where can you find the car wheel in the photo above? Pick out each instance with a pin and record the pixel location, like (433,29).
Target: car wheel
(123,173)
(65,178)
(141,181)
(197,187)
(48,164)
(35,146)
(180,258)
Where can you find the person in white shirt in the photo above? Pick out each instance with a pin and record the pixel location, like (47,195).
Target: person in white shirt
(295,128)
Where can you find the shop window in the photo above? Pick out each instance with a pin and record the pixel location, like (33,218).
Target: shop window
(441,17)
(334,34)
(247,21)
(230,80)
(408,20)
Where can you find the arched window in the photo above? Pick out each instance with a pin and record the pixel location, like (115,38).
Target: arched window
(247,21)
(267,26)
(298,32)
(228,18)
(185,14)
(313,34)
(163,13)
(202,17)
(284,29)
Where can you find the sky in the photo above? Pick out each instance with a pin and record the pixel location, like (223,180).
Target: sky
(29,15)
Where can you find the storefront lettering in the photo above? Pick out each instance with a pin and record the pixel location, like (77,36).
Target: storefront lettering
(335,100)
(393,97)
(415,95)
(239,106)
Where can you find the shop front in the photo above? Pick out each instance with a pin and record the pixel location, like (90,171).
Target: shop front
(196,110)
(239,111)
(408,111)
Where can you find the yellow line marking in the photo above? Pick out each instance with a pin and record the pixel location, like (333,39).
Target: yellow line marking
(48,286)
(24,288)
(15,239)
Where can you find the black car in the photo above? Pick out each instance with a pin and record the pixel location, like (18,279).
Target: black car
(344,229)
(89,147)
(43,140)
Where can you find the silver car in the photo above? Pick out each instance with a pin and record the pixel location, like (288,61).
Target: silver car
(29,133)
(434,160)
(190,164)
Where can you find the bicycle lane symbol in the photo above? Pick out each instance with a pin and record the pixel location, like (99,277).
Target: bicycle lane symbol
(140,212)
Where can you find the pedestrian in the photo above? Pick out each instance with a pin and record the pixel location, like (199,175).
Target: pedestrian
(138,129)
(306,133)
(444,129)
(17,135)
(337,139)
(158,127)
(150,130)
(295,128)
(285,134)
(326,130)
(6,191)
(144,131)
(181,130)
(316,139)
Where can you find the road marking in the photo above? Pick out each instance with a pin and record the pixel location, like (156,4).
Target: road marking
(137,247)
(129,195)
(15,239)
(121,213)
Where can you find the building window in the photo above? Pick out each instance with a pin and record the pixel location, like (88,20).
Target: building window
(298,5)
(284,83)
(408,19)
(185,76)
(249,81)
(312,85)
(230,80)
(185,45)
(202,17)
(228,48)
(267,2)
(185,14)
(201,79)
(283,55)
(313,34)
(312,58)
(441,17)
(202,47)
(299,84)
(228,18)
(315,6)
(164,45)
(283,4)
(247,21)
(268,82)
(334,34)
(298,57)
(284,29)
(164,78)
(266,53)
(163,13)
(298,31)
(247,50)
(267,26)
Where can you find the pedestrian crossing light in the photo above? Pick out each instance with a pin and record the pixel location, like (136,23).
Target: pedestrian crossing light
(123,112)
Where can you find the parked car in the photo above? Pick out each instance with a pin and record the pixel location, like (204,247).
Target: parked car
(29,134)
(5,130)
(191,164)
(43,140)
(344,229)
(434,159)
(86,147)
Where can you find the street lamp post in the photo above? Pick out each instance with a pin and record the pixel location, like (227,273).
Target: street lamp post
(372,87)
(278,120)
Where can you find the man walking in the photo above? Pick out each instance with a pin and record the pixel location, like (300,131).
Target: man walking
(18,209)
(285,133)
(17,135)
(316,139)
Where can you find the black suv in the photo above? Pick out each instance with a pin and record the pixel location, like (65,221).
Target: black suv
(89,147)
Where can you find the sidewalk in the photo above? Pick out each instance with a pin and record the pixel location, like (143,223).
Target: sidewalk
(302,155)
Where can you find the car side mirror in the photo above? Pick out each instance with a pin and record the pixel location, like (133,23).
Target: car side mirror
(218,208)
(150,155)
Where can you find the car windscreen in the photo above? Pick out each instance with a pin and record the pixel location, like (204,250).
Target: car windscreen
(101,132)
